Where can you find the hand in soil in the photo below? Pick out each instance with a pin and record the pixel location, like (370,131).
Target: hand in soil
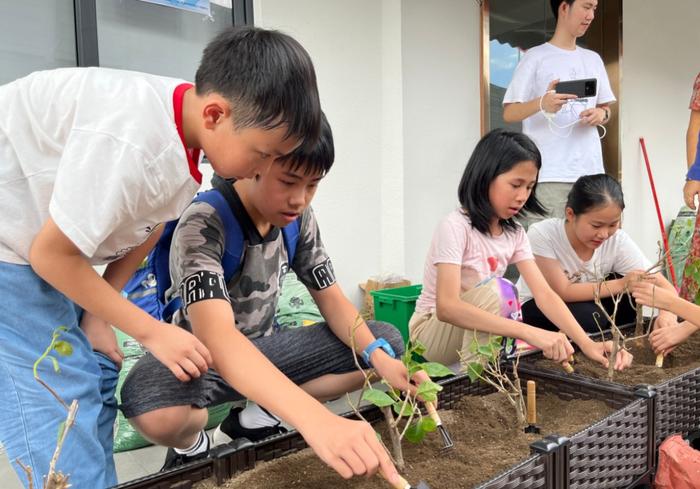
(599,351)
(350,447)
(648,294)
(101,337)
(554,345)
(665,339)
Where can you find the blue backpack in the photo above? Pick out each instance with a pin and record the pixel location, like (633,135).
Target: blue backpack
(147,287)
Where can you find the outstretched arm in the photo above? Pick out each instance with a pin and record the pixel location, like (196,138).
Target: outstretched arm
(57,260)
(556,311)
(349,447)
(341,316)
(453,310)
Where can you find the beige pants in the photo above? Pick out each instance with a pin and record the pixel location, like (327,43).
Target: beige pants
(450,344)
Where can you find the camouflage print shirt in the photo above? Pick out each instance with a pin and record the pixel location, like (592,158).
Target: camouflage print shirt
(197,273)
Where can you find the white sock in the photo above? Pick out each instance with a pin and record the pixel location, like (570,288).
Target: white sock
(253,416)
(199,446)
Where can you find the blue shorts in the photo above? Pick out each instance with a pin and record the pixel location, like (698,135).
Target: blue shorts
(30,311)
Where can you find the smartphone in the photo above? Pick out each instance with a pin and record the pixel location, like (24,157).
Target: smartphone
(584,88)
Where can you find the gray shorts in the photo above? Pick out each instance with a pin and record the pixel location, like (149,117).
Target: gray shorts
(302,354)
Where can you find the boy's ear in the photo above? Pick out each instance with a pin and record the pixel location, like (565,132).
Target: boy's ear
(215,110)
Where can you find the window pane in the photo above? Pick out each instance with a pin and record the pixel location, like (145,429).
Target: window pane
(151,38)
(35,35)
(514,27)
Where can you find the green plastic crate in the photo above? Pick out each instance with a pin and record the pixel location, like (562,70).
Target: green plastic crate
(396,306)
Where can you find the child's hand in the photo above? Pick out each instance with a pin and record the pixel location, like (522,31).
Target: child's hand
(635,276)
(180,351)
(599,351)
(101,337)
(554,345)
(664,340)
(396,373)
(648,294)
(690,190)
(349,447)
(665,319)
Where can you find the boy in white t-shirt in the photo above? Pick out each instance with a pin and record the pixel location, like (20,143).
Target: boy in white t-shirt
(569,143)
(91,161)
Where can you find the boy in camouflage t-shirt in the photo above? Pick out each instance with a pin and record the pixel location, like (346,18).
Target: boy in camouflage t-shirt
(317,358)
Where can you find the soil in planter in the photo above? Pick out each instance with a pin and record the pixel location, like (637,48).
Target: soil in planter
(487,442)
(683,358)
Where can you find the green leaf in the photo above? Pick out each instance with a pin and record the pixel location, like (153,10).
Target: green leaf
(427,424)
(56,368)
(418,348)
(487,351)
(378,398)
(414,368)
(428,390)
(402,410)
(473,346)
(414,433)
(436,370)
(475,370)
(63,348)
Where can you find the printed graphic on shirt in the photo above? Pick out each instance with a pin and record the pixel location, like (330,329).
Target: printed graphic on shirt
(323,275)
(202,286)
(198,246)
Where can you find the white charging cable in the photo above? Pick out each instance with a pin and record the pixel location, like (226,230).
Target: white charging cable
(570,126)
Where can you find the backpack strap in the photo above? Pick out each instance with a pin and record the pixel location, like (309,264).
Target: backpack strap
(233,243)
(233,240)
(290,235)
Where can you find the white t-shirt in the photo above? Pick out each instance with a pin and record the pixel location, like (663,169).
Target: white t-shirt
(456,242)
(575,151)
(618,254)
(96,149)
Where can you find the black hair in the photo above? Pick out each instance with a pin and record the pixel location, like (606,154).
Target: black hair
(555,6)
(267,77)
(318,159)
(592,191)
(496,153)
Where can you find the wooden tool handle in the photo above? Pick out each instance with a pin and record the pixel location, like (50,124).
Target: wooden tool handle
(660,360)
(531,402)
(567,367)
(430,407)
(400,484)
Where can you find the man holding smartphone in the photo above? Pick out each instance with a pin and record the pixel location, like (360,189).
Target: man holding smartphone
(563,126)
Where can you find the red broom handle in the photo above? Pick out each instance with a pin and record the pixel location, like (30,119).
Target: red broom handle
(658,213)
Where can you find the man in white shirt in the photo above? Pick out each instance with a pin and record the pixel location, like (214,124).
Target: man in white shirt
(563,127)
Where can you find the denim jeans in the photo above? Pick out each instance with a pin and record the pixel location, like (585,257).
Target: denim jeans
(30,417)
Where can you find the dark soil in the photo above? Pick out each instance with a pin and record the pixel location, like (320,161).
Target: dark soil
(486,437)
(683,358)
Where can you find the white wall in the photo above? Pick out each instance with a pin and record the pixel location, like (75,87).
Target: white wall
(441,44)
(399,83)
(659,64)
(345,41)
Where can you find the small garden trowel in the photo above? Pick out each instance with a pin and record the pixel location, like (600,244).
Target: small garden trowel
(447,442)
(531,408)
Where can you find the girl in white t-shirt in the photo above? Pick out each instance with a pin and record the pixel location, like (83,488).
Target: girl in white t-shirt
(588,245)
(476,243)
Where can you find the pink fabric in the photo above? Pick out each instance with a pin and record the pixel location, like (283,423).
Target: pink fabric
(456,242)
(695,98)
